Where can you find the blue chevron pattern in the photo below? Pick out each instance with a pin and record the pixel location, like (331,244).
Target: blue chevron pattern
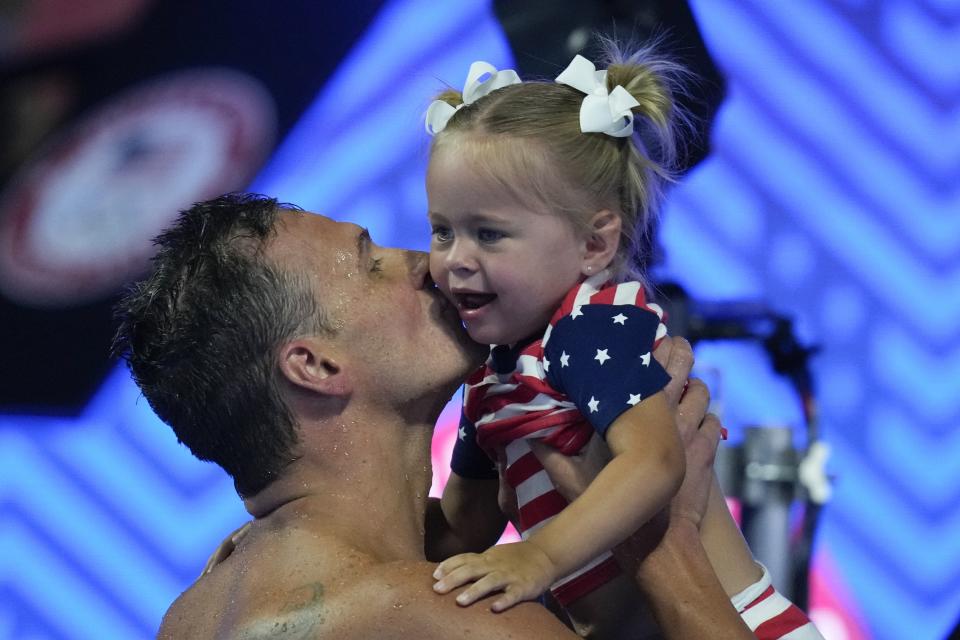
(841,134)
(92,519)
(832,193)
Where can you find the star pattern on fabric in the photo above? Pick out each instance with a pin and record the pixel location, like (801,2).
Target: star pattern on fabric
(581,376)
(594,404)
(462,433)
(593,359)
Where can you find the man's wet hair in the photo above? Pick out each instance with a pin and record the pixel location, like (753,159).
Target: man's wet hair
(201,336)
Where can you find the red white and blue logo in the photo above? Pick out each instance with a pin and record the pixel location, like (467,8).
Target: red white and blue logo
(77,222)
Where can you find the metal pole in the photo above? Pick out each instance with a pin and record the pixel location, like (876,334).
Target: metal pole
(769,487)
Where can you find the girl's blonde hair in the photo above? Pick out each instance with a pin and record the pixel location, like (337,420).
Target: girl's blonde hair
(526,138)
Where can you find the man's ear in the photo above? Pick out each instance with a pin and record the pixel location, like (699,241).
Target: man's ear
(601,241)
(305,365)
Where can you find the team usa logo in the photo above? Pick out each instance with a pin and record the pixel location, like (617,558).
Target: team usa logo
(77,221)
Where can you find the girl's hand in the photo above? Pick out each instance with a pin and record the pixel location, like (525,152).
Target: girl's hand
(521,570)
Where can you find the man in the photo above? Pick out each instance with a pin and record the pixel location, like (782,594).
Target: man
(312,364)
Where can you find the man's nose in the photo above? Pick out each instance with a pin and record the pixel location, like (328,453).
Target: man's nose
(418,266)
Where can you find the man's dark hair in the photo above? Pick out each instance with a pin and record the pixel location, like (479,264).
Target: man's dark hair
(201,335)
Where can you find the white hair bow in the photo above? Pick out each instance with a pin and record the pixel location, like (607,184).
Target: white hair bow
(602,111)
(482,78)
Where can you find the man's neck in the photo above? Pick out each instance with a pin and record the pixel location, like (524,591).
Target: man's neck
(365,481)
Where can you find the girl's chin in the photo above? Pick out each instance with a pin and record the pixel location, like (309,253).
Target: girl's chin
(478,334)
(490,337)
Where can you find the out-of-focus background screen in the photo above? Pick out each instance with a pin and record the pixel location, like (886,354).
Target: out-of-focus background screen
(829,193)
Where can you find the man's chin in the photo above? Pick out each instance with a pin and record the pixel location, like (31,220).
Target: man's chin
(476,352)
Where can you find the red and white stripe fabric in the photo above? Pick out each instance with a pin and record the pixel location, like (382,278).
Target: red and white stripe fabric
(538,502)
(771,616)
(521,404)
(510,408)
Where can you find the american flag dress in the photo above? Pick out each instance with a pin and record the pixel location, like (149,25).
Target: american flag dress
(593,362)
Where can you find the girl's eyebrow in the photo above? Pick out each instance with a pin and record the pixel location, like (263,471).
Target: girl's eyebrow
(474,217)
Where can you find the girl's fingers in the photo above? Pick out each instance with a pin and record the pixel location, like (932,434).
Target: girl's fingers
(452,563)
(463,574)
(482,587)
(511,596)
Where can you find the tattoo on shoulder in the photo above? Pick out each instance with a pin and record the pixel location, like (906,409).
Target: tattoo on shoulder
(305,597)
(300,616)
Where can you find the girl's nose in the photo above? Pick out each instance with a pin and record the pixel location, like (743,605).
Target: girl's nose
(459,258)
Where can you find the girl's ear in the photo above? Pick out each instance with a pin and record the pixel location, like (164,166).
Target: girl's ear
(601,242)
(306,366)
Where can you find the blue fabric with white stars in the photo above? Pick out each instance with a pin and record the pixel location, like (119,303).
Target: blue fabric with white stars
(469,460)
(600,357)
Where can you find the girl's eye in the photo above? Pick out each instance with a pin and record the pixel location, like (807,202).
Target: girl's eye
(489,235)
(441,234)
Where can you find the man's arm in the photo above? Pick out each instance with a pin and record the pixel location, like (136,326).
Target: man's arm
(467,518)
(683,592)
(675,576)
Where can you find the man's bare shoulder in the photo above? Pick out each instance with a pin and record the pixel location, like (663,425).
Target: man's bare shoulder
(300,586)
(376,600)
(399,602)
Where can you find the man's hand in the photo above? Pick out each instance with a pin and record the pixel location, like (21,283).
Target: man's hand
(223,551)
(521,570)
(700,446)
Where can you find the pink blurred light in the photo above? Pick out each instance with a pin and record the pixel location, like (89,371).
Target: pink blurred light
(444,437)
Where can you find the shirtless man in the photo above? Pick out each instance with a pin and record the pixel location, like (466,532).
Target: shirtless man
(312,364)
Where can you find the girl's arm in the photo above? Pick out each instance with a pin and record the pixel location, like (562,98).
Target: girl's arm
(679,585)
(646,471)
(466,519)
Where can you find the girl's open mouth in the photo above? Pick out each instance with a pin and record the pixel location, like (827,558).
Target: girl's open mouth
(471,301)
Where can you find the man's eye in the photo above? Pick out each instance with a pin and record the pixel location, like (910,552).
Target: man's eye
(441,234)
(490,235)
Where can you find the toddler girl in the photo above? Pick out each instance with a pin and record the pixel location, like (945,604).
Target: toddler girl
(541,197)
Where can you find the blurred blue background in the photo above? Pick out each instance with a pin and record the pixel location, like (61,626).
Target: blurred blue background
(831,194)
